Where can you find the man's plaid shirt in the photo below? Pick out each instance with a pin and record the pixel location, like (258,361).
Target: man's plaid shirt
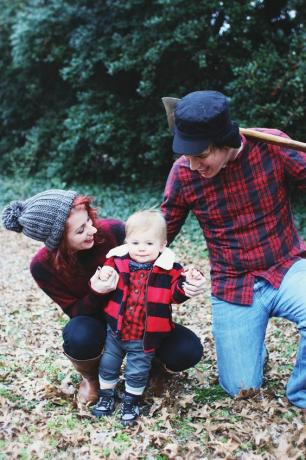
(245,214)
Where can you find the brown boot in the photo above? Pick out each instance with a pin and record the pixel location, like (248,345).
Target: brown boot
(159,377)
(89,387)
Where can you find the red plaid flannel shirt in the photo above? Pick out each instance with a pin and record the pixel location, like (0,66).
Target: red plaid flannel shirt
(245,214)
(134,317)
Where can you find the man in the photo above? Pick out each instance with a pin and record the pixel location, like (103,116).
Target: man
(238,190)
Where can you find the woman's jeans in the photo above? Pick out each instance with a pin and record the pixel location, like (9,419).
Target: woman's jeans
(138,364)
(239,333)
(84,338)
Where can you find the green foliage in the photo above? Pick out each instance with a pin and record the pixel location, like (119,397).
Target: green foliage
(208,395)
(274,82)
(81,82)
(119,201)
(112,201)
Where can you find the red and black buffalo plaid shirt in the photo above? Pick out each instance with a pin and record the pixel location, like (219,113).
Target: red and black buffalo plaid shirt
(72,292)
(244,212)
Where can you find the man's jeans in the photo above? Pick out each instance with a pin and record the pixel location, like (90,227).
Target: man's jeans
(239,333)
(138,363)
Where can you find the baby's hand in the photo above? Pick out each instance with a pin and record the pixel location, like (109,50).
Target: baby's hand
(192,274)
(105,273)
(195,282)
(105,280)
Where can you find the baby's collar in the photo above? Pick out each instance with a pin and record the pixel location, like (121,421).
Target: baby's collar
(165,260)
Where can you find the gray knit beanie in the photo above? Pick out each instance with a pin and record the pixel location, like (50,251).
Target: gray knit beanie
(41,217)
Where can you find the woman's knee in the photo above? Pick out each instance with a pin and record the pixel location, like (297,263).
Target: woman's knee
(84,337)
(181,350)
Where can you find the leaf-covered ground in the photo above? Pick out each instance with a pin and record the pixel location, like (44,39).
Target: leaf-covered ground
(191,419)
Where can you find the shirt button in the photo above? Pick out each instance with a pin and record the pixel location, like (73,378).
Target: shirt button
(136,291)
(141,275)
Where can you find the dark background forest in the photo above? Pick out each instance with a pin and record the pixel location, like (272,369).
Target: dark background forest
(81,81)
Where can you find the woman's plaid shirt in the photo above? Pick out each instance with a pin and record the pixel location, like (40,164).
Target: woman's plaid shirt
(245,214)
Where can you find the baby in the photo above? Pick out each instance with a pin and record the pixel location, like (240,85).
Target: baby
(138,312)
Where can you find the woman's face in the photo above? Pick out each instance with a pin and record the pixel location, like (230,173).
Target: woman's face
(80,230)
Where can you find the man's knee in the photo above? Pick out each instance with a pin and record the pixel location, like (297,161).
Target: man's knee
(239,389)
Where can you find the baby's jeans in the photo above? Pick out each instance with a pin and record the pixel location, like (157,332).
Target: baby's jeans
(138,364)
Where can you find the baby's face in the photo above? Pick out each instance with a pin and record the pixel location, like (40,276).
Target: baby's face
(144,246)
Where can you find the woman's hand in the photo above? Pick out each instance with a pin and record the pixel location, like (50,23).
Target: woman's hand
(105,280)
(195,282)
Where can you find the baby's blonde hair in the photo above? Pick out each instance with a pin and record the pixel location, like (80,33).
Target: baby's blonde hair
(146,220)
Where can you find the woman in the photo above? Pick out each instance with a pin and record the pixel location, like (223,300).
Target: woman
(76,243)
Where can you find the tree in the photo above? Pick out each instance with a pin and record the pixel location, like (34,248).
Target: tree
(82,81)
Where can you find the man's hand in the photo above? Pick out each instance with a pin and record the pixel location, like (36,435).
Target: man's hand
(105,280)
(195,282)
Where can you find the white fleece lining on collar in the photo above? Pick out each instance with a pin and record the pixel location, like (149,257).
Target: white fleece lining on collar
(165,260)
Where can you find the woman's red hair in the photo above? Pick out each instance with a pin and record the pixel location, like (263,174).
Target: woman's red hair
(62,258)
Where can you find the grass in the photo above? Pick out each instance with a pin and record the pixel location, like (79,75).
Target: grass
(211,394)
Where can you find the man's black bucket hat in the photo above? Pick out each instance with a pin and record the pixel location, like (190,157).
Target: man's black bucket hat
(202,118)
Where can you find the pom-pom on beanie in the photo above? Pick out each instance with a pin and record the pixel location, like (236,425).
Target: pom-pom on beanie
(41,217)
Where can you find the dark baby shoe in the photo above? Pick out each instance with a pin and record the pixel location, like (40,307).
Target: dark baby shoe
(130,410)
(106,404)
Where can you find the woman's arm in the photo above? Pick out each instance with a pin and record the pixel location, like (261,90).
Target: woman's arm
(65,292)
(56,289)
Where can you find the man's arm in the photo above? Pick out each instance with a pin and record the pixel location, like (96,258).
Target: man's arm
(295,167)
(294,161)
(174,207)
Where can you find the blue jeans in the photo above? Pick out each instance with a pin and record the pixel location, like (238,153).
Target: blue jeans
(239,333)
(138,363)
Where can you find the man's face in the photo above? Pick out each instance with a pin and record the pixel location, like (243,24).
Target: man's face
(210,162)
